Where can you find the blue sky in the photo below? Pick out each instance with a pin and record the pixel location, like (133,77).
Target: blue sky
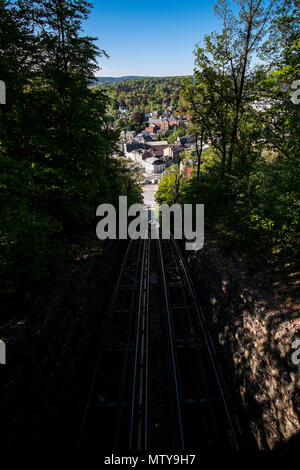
(152,38)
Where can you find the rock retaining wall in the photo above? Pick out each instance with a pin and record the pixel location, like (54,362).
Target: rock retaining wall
(253,334)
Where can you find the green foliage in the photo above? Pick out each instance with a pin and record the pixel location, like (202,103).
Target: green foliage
(250,175)
(28,247)
(268,203)
(177,132)
(142,95)
(55,146)
(170,186)
(262,205)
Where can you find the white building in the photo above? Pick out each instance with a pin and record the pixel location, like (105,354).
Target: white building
(154,165)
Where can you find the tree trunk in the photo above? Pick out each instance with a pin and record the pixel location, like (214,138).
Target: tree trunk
(199,154)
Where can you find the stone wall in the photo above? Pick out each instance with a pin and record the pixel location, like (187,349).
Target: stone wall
(253,335)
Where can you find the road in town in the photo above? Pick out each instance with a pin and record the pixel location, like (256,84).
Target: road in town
(149,191)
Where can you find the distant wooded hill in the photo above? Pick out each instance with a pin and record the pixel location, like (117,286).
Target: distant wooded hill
(117,79)
(100,80)
(132,100)
(143,95)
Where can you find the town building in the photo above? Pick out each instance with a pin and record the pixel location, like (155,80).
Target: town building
(154,165)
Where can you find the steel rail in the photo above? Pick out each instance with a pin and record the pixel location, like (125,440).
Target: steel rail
(141,362)
(121,396)
(171,343)
(100,353)
(194,333)
(147,347)
(137,343)
(101,350)
(208,344)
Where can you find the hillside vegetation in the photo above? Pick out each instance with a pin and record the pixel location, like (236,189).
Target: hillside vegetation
(142,96)
(55,146)
(249,178)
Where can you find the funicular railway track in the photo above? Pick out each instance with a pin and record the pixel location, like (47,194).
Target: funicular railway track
(204,416)
(121,401)
(108,410)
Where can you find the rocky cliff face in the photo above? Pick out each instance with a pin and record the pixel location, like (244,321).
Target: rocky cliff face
(254,335)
